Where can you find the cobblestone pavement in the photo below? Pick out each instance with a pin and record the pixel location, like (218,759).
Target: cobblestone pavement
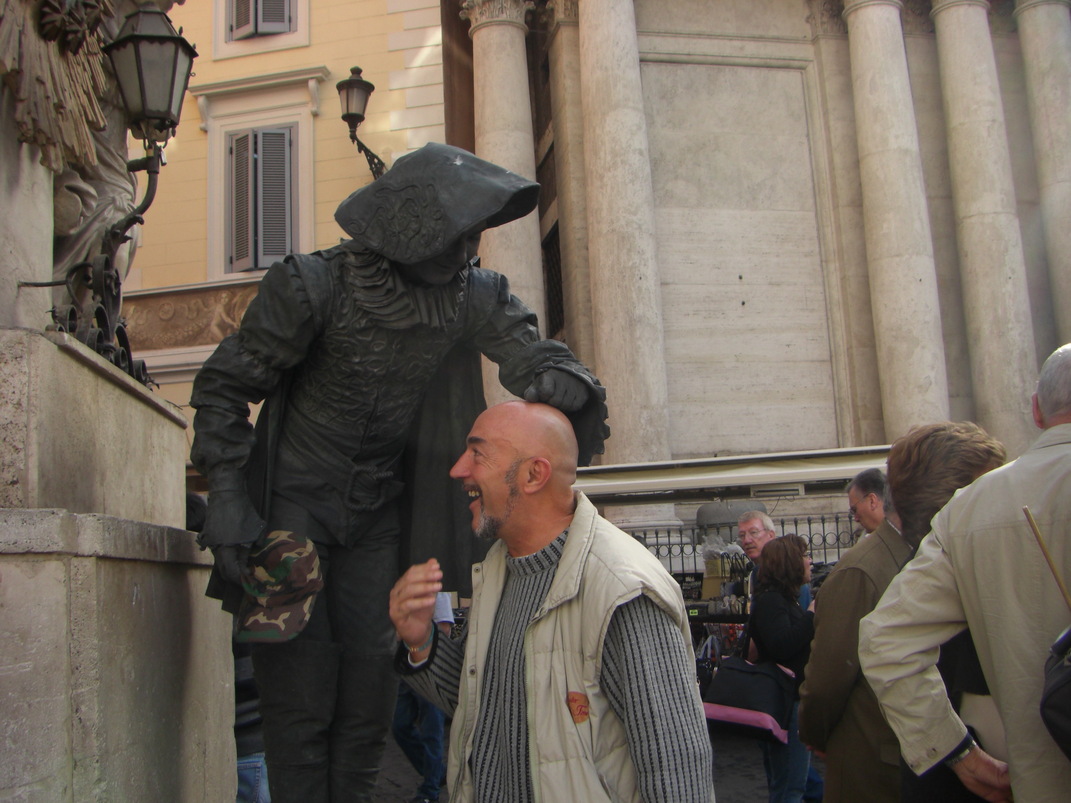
(738,773)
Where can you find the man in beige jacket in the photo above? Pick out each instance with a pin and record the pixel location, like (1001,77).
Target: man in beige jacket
(981,568)
(574,679)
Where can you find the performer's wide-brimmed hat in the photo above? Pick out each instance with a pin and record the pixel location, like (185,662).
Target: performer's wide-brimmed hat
(429,199)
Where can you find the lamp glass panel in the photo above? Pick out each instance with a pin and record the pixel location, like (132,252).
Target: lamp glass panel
(157,62)
(183,65)
(356,100)
(125,63)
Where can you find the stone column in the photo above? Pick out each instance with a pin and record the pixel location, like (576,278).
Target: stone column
(567,112)
(625,282)
(1045,37)
(1000,333)
(903,278)
(504,135)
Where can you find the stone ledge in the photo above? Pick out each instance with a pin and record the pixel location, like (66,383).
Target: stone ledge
(55,531)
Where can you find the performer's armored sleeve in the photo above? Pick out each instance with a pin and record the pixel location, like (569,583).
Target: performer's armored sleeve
(505,330)
(275,335)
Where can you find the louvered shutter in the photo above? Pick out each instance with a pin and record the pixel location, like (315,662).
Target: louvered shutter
(273,16)
(274,204)
(242,18)
(240,203)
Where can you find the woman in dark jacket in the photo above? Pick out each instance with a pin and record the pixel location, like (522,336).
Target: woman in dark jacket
(781,631)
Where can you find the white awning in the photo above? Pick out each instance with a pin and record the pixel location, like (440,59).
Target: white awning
(780,474)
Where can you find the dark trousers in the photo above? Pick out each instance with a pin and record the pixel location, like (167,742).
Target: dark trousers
(327,696)
(419,729)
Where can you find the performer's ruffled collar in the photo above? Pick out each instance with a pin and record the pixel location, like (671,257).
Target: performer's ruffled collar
(379,288)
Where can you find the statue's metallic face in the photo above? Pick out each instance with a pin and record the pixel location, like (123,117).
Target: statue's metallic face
(441,269)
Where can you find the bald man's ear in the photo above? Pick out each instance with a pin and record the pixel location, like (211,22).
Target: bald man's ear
(536,474)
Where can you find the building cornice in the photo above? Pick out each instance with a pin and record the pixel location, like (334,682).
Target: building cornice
(311,77)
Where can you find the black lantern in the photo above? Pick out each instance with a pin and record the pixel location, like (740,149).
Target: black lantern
(353,94)
(152,64)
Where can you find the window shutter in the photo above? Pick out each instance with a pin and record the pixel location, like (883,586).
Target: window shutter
(242,19)
(273,166)
(273,16)
(240,203)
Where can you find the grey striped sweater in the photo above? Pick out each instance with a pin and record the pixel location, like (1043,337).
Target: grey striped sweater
(647,672)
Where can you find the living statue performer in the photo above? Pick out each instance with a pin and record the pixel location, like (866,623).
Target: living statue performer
(367,356)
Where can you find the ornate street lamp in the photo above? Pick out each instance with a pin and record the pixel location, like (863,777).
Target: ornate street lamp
(152,64)
(353,94)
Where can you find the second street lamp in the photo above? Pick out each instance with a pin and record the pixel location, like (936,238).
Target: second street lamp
(353,94)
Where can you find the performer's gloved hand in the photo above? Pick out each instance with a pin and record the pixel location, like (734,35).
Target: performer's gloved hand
(231,560)
(232,525)
(558,389)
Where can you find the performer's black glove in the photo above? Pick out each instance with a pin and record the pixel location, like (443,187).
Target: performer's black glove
(232,525)
(558,389)
(231,561)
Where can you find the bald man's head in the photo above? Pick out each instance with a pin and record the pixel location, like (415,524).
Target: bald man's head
(520,461)
(534,430)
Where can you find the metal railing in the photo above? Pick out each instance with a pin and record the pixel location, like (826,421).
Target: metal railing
(680,549)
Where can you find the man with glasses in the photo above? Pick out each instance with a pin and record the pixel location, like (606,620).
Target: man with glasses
(866,498)
(755,529)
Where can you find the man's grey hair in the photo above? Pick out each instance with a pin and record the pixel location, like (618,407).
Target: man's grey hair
(1054,383)
(767,522)
(872,481)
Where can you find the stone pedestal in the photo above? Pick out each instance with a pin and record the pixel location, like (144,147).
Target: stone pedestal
(116,672)
(79,434)
(116,679)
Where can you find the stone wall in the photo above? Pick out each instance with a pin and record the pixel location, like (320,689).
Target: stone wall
(115,682)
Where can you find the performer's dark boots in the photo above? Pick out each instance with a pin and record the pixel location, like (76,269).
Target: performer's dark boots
(368,692)
(298,682)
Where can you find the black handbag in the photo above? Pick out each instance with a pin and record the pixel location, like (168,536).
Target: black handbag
(753,699)
(1056,692)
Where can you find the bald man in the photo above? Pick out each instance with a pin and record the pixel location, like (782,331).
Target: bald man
(576,661)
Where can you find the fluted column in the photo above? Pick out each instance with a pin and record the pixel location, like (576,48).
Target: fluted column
(900,264)
(504,135)
(1045,37)
(567,113)
(625,281)
(1000,333)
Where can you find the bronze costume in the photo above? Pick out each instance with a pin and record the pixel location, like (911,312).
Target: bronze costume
(358,366)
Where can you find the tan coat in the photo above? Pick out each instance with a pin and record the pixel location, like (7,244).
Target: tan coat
(981,568)
(839,713)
